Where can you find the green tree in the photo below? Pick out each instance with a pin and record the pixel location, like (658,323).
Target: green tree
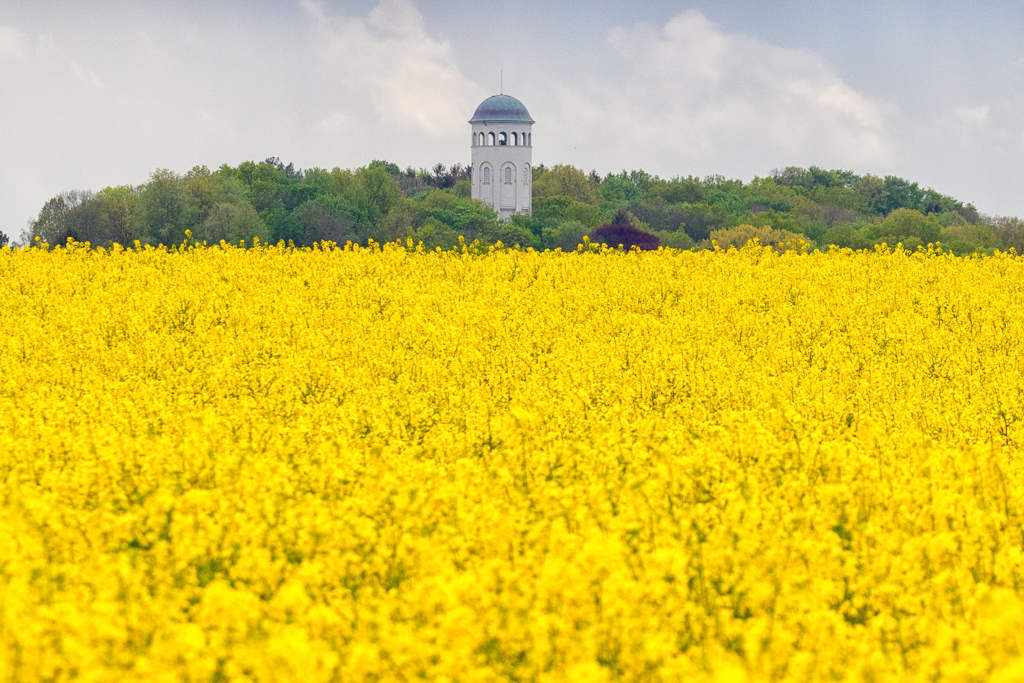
(551,209)
(900,194)
(658,213)
(731,195)
(371,192)
(509,233)
(284,225)
(678,191)
(738,236)
(73,214)
(227,188)
(392,169)
(566,236)
(263,193)
(906,226)
(117,205)
(233,223)
(968,238)
(791,176)
(847,236)
(700,219)
(871,190)
(770,218)
(165,209)
(1008,232)
(564,180)
(326,220)
(433,233)
(674,239)
(200,184)
(378,193)
(618,189)
(464,216)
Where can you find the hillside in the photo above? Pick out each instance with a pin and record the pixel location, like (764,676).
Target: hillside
(272,201)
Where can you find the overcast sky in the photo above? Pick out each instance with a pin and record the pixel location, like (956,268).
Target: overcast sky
(102,93)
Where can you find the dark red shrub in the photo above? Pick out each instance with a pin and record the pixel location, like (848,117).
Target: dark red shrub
(614,234)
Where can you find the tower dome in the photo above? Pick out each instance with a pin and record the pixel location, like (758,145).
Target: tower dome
(503,155)
(501,109)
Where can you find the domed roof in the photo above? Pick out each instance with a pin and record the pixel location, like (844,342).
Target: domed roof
(501,109)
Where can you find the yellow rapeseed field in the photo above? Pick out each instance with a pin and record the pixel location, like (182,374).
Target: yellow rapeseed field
(366,464)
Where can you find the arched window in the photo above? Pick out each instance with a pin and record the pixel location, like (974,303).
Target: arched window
(476,139)
(529,139)
(508,174)
(526,174)
(487,175)
(490,138)
(502,138)
(515,139)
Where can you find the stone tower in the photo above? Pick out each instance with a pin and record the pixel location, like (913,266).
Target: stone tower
(503,155)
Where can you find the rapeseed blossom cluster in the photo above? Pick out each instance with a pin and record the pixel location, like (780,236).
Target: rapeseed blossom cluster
(385,464)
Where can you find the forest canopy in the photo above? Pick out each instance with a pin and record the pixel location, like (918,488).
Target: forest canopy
(271,202)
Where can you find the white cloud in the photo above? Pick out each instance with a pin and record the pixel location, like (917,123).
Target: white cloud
(148,45)
(85,76)
(12,43)
(333,122)
(410,78)
(691,93)
(218,122)
(976,116)
(47,46)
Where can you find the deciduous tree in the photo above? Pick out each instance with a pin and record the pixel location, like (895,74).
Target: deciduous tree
(165,209)
(620,233)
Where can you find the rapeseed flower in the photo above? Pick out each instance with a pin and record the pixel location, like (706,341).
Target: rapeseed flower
(387,463)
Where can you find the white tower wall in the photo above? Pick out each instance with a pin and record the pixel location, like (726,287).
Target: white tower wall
(503,156)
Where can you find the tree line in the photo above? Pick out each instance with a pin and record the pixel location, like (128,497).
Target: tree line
(271,202)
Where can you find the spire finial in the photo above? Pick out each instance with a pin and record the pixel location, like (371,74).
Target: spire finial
(502,72)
